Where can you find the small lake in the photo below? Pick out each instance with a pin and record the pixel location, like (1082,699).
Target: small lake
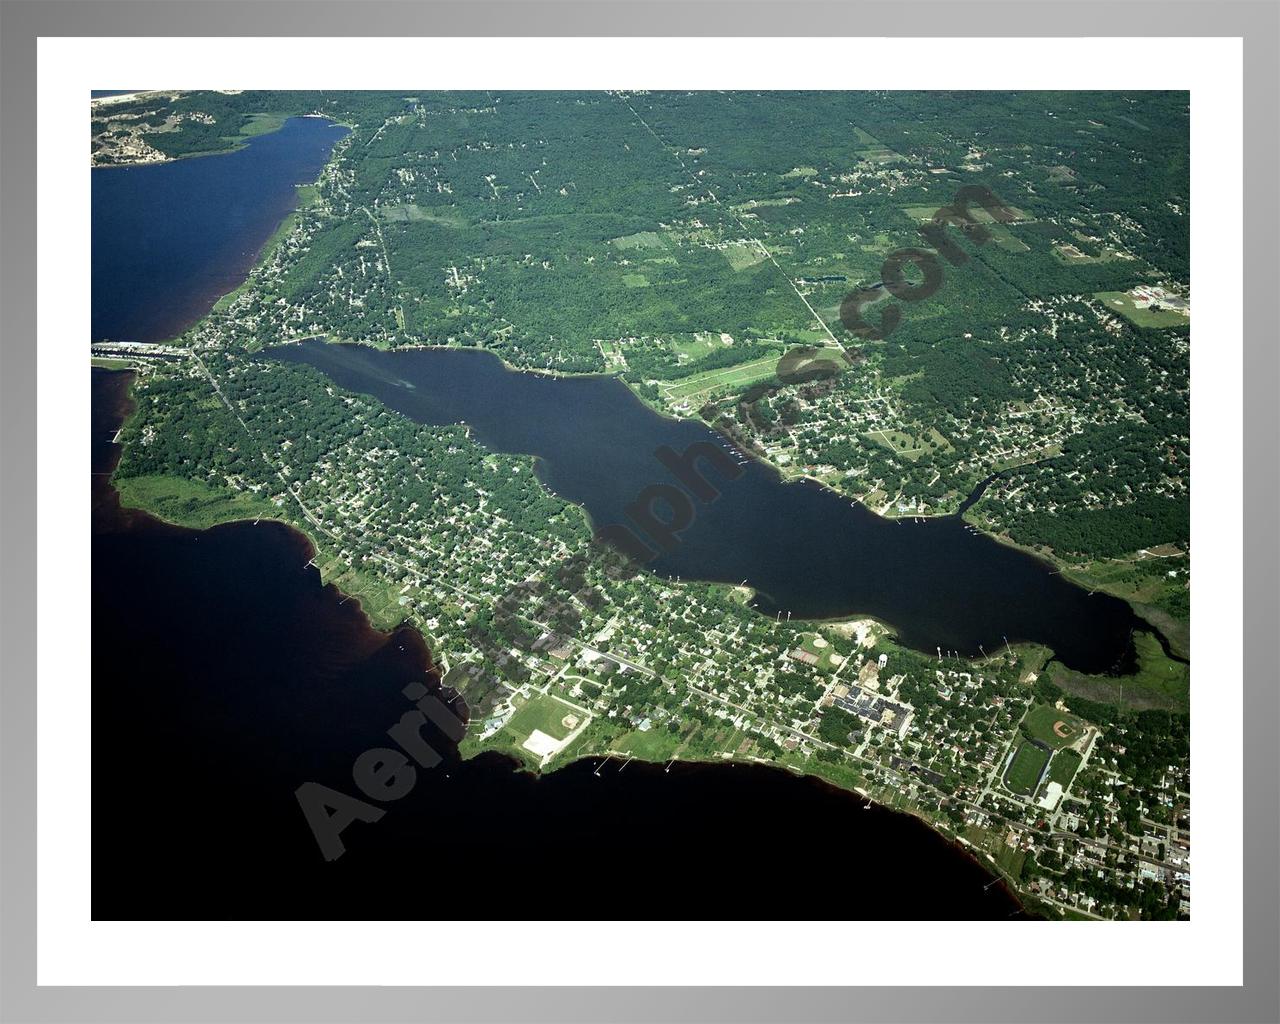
(170,239)
(806,551)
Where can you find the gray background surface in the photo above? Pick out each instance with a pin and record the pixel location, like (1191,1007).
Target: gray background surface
(21,23)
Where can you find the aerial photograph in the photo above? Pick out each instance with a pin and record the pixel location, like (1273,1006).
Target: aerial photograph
(640,506)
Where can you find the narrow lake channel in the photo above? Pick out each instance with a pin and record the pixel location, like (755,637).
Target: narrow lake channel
(805,550)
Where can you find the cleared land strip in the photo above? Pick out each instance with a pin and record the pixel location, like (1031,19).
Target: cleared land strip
(704,383)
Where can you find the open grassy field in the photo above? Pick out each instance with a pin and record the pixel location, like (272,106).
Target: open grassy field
(1006,239)
(1143,579)
(545,714)
(539,713)
(1024,771)
(742,255)
(191,503)
(909,446)
(640,240)
(412,212)
(1123,303)
(379,597)
(821,649)
(1063,767)
(1075,252)
(839,773)
(656,744)
(923,214)
(702,385)
(1010,859)
(755,204)
(871,148)
(262,124)
(692,347)
(1056,728)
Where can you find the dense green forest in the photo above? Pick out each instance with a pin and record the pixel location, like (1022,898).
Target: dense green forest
(607,232)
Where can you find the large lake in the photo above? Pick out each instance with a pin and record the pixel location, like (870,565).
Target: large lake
(225,674)
(170,239)
(805,550)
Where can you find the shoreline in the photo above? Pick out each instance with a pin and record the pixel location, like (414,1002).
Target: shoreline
(956,843)
(1069,571)
(1055,565)
(233,143)
(1144,624)
(518,765)
(235,521)
(216,298)
(1047,562)
(310,548)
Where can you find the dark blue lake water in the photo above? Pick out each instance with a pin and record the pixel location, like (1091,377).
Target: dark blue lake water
(805,550)
(225,674)
(170,239)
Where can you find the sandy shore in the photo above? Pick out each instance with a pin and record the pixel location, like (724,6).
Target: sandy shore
(124,97)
